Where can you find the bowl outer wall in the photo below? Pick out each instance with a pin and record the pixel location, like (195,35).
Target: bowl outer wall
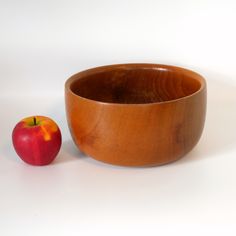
(136,134)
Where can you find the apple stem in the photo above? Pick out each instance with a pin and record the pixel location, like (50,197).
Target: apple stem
(35,121)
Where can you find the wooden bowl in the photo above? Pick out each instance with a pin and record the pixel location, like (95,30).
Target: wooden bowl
(136,114)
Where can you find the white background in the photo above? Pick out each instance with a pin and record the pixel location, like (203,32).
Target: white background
(42,43)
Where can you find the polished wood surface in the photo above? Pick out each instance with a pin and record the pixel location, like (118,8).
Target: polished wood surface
(136,114)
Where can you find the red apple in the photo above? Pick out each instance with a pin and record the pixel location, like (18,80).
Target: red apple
(37,140)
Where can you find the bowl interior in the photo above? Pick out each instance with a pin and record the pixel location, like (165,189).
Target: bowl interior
(136,85)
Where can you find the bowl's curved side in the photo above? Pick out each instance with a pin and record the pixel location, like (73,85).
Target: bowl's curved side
(136,135)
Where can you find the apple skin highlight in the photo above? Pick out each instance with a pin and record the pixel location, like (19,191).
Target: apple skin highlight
(37,142)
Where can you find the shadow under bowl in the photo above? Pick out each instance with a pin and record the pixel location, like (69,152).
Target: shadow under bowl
(136,114)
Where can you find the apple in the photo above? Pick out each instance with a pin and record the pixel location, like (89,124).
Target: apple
(37,140)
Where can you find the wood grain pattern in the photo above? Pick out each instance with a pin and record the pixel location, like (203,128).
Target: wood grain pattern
(136,114)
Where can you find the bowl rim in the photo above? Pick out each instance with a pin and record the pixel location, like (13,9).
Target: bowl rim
(104,68)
